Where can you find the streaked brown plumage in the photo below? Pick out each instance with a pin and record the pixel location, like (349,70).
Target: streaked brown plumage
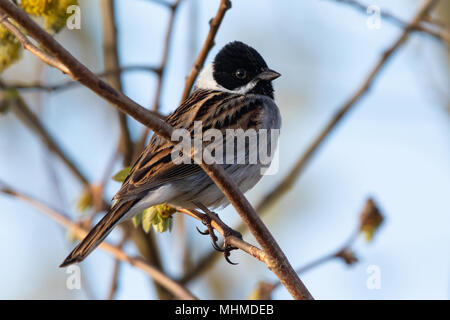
(216,110)
(155,178)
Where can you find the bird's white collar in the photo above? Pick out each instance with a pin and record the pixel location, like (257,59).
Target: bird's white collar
(206,81)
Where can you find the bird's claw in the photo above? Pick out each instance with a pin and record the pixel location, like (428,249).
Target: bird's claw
(227,248)
(227,252)
(204,233)
(206,220)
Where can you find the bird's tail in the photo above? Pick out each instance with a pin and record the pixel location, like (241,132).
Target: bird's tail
(97,234)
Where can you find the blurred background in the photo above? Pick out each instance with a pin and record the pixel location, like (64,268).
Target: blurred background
(394,147)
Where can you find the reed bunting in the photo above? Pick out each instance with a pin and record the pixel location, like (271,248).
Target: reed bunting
(233,92)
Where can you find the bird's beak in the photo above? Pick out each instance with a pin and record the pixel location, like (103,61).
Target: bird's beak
(268,75)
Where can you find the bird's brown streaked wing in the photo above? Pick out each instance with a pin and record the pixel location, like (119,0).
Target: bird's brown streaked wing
(216,109)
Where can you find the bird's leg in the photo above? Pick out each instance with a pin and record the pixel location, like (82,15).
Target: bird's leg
(227,231)
(206,220)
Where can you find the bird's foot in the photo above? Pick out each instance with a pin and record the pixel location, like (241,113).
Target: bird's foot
(207,221)
(228,233)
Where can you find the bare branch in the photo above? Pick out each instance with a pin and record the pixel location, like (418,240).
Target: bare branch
(345,252)
(27,116)
(207,46)
(117,263)
(233,241)
(276,260)
(171,285)
(148,248)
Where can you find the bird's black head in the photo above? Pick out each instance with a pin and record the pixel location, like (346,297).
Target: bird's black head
(238,66)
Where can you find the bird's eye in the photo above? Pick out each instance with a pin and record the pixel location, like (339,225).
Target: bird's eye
(241,74)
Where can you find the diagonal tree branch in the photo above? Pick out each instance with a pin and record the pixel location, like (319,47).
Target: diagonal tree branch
(27,116)
(171,285)
(32,121)
(117,264)
(276,260)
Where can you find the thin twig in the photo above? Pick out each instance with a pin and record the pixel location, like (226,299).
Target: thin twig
(171,285)
(140,144)
(27,116)
(117,263)
(287,183)
(148,248)
(111,61)
(276,260)
(233,241)
(345,252)
(30,119)
(214,25)
(442,33)
(28,45)
(72,83)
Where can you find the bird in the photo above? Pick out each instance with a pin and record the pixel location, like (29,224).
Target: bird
(235,91)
